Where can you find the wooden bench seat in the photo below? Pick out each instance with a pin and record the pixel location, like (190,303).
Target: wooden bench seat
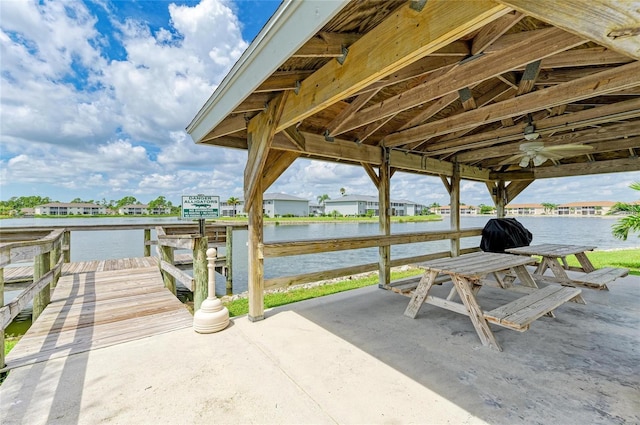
(599,278)
(408,284)
(518,314)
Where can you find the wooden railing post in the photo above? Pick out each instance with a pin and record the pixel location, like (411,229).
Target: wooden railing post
(2,364)
(66,246)
(166,254)
(229,262)
(147,240)
(200,274)
(53,261)
(41,265)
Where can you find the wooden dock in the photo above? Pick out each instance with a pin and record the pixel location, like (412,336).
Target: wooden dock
(22,274)
(101,303)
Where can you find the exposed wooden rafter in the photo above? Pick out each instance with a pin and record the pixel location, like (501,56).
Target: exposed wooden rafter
(390,46)
(611,23)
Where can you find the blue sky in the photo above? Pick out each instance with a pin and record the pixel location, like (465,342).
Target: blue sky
(95,97)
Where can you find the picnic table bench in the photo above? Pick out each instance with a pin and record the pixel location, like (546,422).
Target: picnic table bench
(554,259)
(468,274)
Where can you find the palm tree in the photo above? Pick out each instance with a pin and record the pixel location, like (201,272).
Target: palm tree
(630,223)
(322,198)
(549,207)
(233,201)
(343,191)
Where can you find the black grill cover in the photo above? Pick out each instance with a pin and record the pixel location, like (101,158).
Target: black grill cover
(504,233)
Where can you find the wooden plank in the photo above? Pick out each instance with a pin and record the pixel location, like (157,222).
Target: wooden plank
(261,130)
(279,249)
(582,88)
(610,23)
(602,276)
(390,46)
(520,313)
(537,45)
(95,310)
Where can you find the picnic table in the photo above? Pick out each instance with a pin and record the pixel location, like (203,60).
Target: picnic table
(554,259)
(468,273)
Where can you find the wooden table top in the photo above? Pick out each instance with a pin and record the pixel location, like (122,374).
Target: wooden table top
(477,264)
(551,250)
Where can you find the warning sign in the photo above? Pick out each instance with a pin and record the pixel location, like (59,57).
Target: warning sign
(200,206)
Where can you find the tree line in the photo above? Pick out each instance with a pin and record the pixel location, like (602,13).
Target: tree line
(17,203)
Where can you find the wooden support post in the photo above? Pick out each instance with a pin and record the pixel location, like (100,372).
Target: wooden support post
(229,261)
(41,265)
(384,204)
(500,199)
(200,273)
(66,246)
(53,260)
(454,196)
(2,364)
(256,260)
(147,239)
(166,254)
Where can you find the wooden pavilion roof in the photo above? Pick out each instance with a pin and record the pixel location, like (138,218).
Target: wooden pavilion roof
(441,84)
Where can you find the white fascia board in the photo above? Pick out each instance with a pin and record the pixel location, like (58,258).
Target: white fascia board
(295,22)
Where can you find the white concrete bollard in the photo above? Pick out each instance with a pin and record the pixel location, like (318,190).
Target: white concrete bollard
(212,315)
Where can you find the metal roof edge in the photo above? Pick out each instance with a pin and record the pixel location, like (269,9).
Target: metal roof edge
(293,23)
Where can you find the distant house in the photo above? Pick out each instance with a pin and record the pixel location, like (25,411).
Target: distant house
(60,208)
(142,209)
(27,212)
(464,210)
(229,210)
(315,210)
(526,209)
(280,204)
(585,208)
(357,205)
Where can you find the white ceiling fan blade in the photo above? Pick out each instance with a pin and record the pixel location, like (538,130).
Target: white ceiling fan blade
(539,159)
(566,150)
(514,158)
(524,162)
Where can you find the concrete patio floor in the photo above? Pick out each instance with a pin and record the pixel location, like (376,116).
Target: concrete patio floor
(354,358)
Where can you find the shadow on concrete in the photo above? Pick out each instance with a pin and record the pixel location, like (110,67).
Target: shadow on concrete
(580,367)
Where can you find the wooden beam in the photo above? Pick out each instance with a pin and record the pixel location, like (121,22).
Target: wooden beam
(339,149)
(384,221)
(583,88)
(334,126)
(611,23)
(295,137)
(593,56)
(538,44)
(255,257)
(277,163)
(282,80)
(513,189)
(371,173)
(261,130)
(407,161)
(492,31)
(590,136)
(578,169)
(231,124)
(326,45)
(401,39)
(622,110)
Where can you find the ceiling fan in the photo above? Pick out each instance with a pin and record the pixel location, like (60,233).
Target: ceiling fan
(534,151)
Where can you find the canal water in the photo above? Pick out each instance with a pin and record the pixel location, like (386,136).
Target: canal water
(108,244)
(94,245)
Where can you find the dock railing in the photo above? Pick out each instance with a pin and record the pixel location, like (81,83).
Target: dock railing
(316,246)
(48,250)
